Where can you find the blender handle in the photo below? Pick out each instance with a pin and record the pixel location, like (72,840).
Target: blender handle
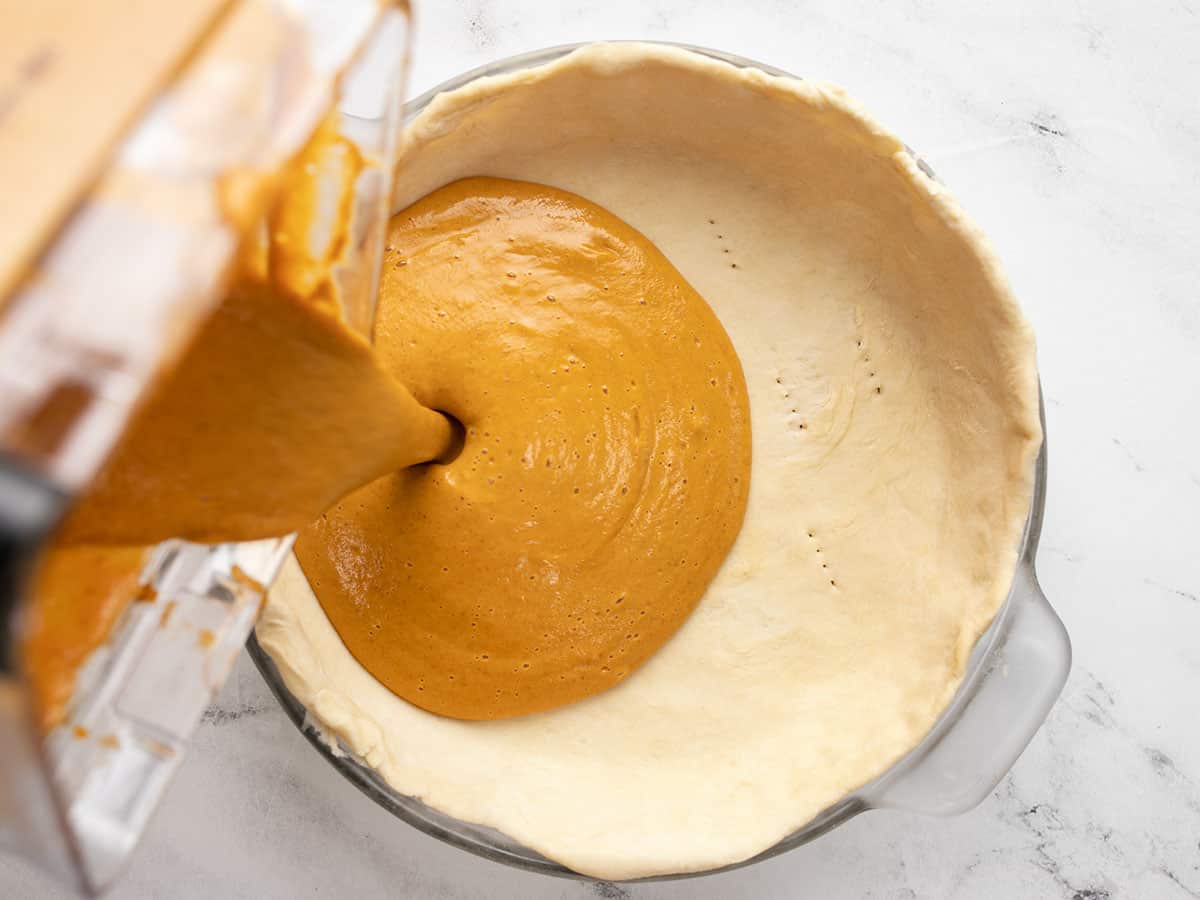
(993,718)
(29,509)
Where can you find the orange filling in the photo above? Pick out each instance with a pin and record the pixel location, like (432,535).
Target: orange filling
(80,592)
(602,479)
(605,469)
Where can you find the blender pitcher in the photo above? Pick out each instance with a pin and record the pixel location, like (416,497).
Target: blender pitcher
(100,300)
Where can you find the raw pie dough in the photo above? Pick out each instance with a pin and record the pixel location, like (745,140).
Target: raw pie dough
(893,402)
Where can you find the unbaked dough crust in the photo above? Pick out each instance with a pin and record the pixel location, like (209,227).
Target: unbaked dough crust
(894,412)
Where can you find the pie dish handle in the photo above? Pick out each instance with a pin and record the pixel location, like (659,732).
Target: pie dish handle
(993,717)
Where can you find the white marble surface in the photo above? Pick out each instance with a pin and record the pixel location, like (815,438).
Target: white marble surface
(1072,133)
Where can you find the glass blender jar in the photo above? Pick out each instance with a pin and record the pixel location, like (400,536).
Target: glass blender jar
(107,300)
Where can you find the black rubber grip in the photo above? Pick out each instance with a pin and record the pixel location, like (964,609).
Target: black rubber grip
(30,507)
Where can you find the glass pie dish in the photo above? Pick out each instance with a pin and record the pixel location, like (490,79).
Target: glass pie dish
(1015,672)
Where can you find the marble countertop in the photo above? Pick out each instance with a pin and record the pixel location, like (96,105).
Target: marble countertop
(1072,134)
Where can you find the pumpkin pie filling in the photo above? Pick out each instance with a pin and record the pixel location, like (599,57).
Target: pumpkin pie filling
(604,473)
(602,476)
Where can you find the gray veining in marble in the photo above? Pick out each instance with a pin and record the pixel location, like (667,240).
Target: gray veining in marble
(1071,131)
